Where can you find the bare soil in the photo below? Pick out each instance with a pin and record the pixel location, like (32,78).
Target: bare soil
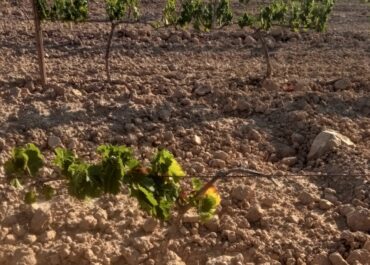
(170,89)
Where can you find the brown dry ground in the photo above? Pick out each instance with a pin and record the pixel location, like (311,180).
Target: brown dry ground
(154,100)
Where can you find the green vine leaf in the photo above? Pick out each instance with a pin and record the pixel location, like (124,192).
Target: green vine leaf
(197,184)
(30,197)
(62,10)
(63,159)
(164,164)
(120,9)
(208,203)
(25,160)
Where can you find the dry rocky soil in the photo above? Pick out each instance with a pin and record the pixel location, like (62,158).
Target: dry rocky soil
(202,97)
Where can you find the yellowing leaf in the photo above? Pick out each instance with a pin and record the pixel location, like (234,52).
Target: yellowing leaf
(175,170)
(212,192)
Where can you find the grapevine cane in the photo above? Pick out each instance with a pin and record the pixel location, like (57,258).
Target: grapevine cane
(107,53)
(220,174)
(266,54)
(39,43)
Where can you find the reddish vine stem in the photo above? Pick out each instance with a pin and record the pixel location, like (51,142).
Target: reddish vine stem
(107,53)
(219,175)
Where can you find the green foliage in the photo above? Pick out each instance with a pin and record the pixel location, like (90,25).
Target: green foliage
(246,20)
(296,14)
(81,181)
(91,180)
(196,183)
(206,15)
(120,9)
(157,187)
(116,162)
(63,159)
(169,14)
(165,165)
(63,10)
(30,197)
(208,203)
(43,9)
(81,176)
(202,15)
(25,160)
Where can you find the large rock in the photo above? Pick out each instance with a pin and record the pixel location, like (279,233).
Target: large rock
(23,256)
(326,141)
(359,219)
(40,220)
(255,213)
(341,84)
(359,256)
(150,224)
(54,141)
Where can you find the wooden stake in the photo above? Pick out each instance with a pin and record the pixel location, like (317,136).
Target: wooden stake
(39,44)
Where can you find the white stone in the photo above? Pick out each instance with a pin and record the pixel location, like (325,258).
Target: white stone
(325,141)
(197,140)
(325,204)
